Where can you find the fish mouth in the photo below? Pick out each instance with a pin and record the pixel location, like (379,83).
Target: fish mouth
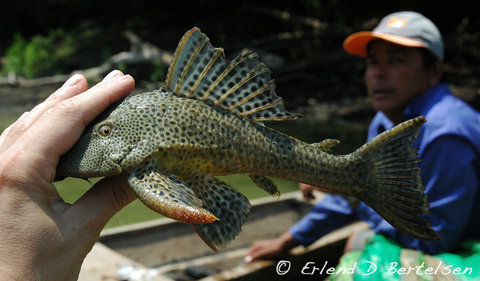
(114,167)
(125,163)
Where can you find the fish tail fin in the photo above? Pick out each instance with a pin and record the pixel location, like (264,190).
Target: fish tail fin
(243,86)
(395,188)
(227,204)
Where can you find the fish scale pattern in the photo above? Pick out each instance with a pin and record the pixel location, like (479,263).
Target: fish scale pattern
(170,143)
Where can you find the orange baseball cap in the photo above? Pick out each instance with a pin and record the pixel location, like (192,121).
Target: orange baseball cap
(406,28)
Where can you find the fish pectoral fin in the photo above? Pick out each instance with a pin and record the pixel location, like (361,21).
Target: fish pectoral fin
(227,204)
(266,184)
(327,145)
(168,195)
(244,86)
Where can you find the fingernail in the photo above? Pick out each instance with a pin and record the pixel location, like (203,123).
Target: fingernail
(72,81)
(112,75)
(247,259)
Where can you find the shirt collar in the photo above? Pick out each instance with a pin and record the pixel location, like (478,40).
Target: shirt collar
(421,105)
(417,107)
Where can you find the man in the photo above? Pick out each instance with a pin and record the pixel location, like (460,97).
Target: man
(404,58)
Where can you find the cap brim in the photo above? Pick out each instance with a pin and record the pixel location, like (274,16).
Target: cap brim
(356,44)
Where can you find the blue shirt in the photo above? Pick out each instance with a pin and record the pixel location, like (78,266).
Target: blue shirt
(449,146)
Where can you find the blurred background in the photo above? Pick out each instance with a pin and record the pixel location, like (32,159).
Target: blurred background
(44,42)
(300,40)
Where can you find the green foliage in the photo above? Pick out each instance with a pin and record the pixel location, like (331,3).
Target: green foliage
(122,67)
(159,71)
(15,54)
(40,56)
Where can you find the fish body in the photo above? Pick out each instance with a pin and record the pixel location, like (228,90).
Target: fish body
(171,143)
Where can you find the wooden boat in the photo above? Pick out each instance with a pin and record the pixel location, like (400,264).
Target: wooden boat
(170,250)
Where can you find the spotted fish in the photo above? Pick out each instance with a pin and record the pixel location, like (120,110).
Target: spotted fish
(171,143)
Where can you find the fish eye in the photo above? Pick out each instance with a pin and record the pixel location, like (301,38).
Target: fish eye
(105,130)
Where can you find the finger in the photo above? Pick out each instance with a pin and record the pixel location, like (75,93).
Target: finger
(73,86)
(255,251)
(5,133)
(77,112)
(112,75)
(256,254)
(97,206)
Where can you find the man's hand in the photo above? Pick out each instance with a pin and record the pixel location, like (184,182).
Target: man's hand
(41,236)
(271,248)
(307,191)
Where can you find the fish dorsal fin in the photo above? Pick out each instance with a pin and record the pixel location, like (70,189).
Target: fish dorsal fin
(200,71)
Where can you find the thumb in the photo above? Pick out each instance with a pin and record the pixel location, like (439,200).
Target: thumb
(98,205)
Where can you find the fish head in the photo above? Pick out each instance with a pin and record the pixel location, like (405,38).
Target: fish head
(111,139)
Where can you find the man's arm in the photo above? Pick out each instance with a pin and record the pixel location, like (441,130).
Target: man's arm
(329,214)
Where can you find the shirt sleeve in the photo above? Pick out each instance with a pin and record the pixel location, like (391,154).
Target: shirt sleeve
(329,214)
(451,182)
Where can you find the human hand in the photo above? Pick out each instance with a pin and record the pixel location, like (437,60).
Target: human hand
(307,191)
(41,236)
(271,248)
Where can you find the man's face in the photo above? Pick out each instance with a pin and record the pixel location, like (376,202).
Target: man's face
(394,76)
